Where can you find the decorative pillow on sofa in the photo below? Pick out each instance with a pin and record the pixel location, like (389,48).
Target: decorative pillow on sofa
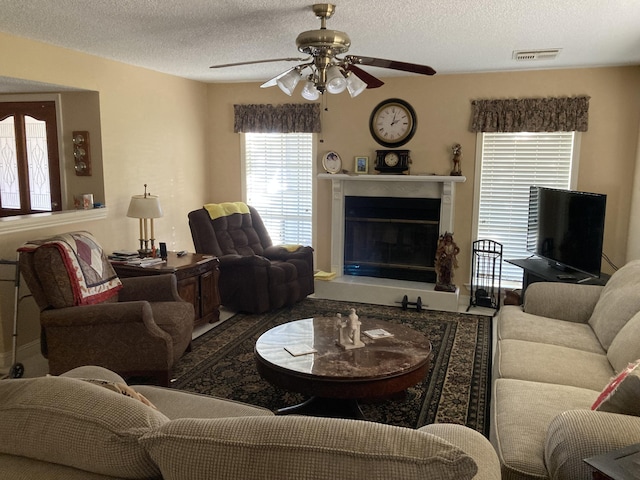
(301,448)
(77,424)
(622,394)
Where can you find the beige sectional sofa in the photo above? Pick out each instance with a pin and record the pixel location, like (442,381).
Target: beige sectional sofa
(553,358)
(72,427)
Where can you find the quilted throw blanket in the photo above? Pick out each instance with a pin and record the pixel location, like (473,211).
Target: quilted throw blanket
(92,277)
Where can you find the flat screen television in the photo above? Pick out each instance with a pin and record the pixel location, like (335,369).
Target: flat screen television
(566,228)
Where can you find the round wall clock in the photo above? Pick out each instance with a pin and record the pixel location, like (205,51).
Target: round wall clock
(393,122)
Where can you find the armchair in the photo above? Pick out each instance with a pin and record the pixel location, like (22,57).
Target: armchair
(255,275)
(88,316)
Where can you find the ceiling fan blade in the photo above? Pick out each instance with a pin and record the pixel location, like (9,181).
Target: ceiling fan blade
(274,80)
(366,77)
(393,64)
(252,62)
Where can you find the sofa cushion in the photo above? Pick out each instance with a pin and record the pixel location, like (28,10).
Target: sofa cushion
(300,448)
(121,388)
(515,324)
(520,416)
(77,424)
(540,362)
(622,393)
(618,302)
(625,347)
(180,404)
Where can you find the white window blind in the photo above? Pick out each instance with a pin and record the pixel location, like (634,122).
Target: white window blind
(510,164)
(278,183)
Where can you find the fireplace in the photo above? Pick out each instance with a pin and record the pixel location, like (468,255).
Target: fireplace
(391,237)
(384,277)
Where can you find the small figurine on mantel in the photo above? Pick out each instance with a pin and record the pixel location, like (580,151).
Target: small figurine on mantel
(446,262)
(349,331)
(457,158)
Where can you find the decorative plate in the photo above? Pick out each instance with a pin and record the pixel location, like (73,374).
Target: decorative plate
(332,162)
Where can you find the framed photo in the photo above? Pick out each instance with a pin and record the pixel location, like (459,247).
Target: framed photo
(362,165)
(331,162)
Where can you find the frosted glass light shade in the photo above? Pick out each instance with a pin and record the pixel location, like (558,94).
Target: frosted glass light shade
(288,82)
(309,91)
(142,206)
(355,85)
(336,83)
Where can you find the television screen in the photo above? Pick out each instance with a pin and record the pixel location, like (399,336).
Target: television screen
(566,228)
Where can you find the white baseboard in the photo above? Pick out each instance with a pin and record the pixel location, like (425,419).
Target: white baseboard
(27,350)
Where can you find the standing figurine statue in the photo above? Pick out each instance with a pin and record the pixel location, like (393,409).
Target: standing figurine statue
(349,331)
(446,262)
(457,158)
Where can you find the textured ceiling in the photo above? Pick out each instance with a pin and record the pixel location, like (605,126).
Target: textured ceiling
(185,37)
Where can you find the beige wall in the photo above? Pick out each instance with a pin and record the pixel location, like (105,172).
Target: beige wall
(177,136)
(442,103)
(153,131)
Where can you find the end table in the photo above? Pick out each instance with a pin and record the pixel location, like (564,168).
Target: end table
(197,276)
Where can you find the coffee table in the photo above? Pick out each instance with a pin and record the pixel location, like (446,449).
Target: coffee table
(335,378)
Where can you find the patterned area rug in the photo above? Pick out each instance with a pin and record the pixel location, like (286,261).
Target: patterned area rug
(456,389)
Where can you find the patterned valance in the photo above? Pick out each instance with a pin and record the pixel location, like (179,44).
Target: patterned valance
(287,118)
(563,114)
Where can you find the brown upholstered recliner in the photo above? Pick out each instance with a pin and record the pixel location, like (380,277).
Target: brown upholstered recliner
(134,326)
(255,275)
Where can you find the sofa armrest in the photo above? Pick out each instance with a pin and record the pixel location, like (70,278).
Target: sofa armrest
(282,253)
(471,442)
(103,313)
(152,288)
(575,435)
(232,261)
(563,301)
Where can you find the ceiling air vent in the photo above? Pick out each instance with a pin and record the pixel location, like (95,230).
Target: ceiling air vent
(528,55)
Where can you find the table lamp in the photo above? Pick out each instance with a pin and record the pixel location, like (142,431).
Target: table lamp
(145,208)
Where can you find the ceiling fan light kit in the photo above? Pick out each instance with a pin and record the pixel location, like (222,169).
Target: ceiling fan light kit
(329,73)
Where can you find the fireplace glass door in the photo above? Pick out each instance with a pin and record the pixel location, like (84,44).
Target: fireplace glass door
(392,238)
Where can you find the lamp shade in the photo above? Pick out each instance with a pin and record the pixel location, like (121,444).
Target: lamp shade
(144,206)
(336,82)
(288,82)
(310,92)
(355,85)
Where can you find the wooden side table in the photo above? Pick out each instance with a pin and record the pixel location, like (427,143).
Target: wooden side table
(620,464)
(197,277)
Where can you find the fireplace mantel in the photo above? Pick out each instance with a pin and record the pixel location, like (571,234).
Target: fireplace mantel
(393,178)
(406,186)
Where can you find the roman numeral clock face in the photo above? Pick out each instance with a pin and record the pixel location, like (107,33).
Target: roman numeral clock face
(392,123)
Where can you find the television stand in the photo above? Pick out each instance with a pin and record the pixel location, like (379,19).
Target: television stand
(539,270)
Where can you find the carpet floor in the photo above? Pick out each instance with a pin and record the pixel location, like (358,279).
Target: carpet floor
(456,389)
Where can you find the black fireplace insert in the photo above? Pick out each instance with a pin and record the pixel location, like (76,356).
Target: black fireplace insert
(391,237)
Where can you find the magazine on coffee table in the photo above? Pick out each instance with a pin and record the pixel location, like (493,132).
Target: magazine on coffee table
(378,333)
(301,349)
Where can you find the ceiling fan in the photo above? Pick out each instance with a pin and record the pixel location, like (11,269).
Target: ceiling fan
(323,69)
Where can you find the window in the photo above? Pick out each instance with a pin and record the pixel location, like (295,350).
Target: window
(29,165)
(278,183)
(509,164)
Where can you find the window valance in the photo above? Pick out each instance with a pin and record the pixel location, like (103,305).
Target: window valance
(286,118)
(552,114)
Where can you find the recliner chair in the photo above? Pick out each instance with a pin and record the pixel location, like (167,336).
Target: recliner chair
(134,326)
(255,275)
